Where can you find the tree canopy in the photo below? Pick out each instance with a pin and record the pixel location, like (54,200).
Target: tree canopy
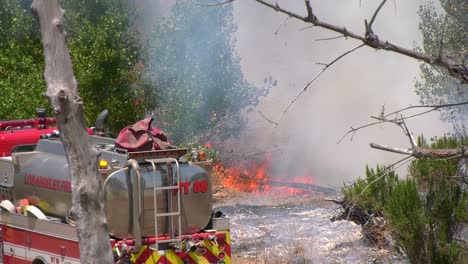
(444,30)
(105,52)
(197,70)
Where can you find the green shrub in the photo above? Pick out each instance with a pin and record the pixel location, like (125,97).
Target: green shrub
(429,209)
(426,211)
(372,199)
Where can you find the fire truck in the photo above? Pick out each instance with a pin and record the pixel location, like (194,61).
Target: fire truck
(158,203)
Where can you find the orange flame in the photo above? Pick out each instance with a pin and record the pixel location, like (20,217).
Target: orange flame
(255,177)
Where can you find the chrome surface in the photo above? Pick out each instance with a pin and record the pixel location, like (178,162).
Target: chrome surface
(195,207)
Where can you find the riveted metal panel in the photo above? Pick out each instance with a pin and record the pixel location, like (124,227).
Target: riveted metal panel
(7,172)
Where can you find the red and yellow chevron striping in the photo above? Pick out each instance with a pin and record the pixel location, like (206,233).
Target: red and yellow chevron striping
(207,252)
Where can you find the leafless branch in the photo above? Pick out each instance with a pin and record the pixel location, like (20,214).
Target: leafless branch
(435,107)
(214,4)
(280,24)
(338,37)
(386,118)
(304,28)
(268,119)
(456,69)
(413,142)
(354,130)
(369,26)
(326,66)
(420,152)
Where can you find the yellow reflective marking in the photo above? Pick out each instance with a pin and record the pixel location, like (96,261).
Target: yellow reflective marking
(215,250)
(135,256)
(154,258)
(172,257)
(198,259)
(228,236)
(211,247)
(227,259)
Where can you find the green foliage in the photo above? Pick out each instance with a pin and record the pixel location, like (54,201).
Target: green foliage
(448,27)
(406,214)
(429,209)
(370,194)
(21,62)
(426,211)
(105,55)
(195,65)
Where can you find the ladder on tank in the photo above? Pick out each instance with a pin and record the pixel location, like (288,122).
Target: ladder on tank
(169,188)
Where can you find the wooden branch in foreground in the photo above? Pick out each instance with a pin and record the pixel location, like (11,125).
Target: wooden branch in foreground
(304,89)
(456,69)
(419,152)
(385,118)
(62,92)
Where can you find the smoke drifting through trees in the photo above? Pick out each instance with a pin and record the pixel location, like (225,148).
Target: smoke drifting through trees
(346,95)
(195,68)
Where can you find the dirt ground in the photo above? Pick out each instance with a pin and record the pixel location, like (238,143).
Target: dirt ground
(223,196)
(226,196)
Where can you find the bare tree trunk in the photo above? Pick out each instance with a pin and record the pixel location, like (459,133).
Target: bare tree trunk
(62,92)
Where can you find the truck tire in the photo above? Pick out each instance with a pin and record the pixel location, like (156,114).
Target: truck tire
(38,261)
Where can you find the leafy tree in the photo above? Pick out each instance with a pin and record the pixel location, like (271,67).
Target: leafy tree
(444,32)
(21,62)
(197,70)
(105,53)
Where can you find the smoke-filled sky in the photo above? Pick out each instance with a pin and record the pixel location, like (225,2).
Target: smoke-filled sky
(346,95)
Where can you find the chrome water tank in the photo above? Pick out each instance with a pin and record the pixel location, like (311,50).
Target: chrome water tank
(195,193)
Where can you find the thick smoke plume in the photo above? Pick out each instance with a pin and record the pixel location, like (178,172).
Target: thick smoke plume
(305,142)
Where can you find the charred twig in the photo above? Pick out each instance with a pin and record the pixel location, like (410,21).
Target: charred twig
(456,69)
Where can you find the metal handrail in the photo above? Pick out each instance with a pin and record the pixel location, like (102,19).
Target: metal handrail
(169,213)
(136,197)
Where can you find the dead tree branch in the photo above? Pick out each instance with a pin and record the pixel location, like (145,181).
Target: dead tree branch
(456,68)
(369,26)
(434,107)
(303,90)
(382,118)
(420,152)
(62,92)
(413,142)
